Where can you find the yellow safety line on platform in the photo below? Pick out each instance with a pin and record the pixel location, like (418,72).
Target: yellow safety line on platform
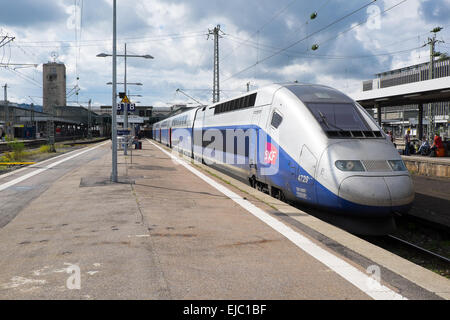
(14,163)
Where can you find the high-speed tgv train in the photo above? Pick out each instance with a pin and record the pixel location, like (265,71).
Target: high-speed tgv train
(298,142)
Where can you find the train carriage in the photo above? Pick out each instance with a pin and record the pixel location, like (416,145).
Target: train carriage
(299,142)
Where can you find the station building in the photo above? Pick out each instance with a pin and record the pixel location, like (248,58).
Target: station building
(31,122)
(69,121)
(397,114)
(54,85)
(146,115)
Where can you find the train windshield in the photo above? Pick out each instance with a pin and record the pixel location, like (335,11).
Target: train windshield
(338,116)
(335,111)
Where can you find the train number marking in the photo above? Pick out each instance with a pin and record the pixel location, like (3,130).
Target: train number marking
(303,178)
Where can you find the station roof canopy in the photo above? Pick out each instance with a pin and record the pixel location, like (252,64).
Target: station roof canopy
(436,90)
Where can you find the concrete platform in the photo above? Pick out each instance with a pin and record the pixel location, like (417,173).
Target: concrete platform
(184,231)
(428,166)
(432,199)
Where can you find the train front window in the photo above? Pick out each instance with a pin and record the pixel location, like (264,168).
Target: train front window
(336,112)
(338,117)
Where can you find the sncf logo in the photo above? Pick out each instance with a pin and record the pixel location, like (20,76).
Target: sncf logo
(271,154)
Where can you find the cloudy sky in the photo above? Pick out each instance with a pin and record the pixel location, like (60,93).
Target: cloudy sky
(263,41)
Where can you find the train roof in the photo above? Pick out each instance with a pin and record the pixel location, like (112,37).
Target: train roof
(306,92)
(313,93)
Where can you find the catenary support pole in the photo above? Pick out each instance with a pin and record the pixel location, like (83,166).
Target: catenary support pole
(114,102)
(420,122)
(125,108)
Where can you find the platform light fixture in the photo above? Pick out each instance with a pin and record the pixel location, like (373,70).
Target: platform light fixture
(125,55)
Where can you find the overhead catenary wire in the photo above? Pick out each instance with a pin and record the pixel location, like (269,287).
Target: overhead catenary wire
(78,13)
(304,54)
(3,55)
(25,77)
(308,19)
(202,89)
(155,37)
(276,15)
(361,23)
(9,57)
(317,56)
(302,39)
(272,19)
(98,44)
(148,38)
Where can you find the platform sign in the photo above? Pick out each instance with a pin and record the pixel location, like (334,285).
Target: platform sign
(130,106)
(131,119)
(135,119)
(125,99)
(123,132)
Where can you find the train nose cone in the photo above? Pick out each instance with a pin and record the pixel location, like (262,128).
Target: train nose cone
(368,191)
(401,189)
(387,192)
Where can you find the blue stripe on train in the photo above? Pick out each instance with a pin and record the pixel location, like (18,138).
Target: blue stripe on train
(306,189)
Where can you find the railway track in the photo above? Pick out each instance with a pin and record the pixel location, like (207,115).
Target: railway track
(419,241)
(35,143)
(405,242)
(422,250)
(28,144)
(424,244)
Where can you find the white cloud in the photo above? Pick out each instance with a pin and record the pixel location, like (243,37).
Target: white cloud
(175,34)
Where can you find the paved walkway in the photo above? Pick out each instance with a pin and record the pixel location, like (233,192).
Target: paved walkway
(168,235)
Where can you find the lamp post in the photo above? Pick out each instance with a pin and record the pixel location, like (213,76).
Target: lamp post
(114,100)
(125,55)
(125,112)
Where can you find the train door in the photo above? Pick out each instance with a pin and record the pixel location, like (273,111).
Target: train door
(197,133)
(194,124)
(306,175)
(160,133)
(253,143)
(170,137)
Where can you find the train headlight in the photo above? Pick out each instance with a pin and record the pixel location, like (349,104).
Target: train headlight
(397,165)
(349,165)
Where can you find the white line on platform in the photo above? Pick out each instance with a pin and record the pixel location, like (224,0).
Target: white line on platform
(54,164)
(359,279)
(35,165)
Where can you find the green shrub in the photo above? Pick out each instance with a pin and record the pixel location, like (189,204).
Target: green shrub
(17,150)
(17,146)
(4,158)
(45,149)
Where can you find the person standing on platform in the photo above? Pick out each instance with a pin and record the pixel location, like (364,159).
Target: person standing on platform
(437,149)
(407,140)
